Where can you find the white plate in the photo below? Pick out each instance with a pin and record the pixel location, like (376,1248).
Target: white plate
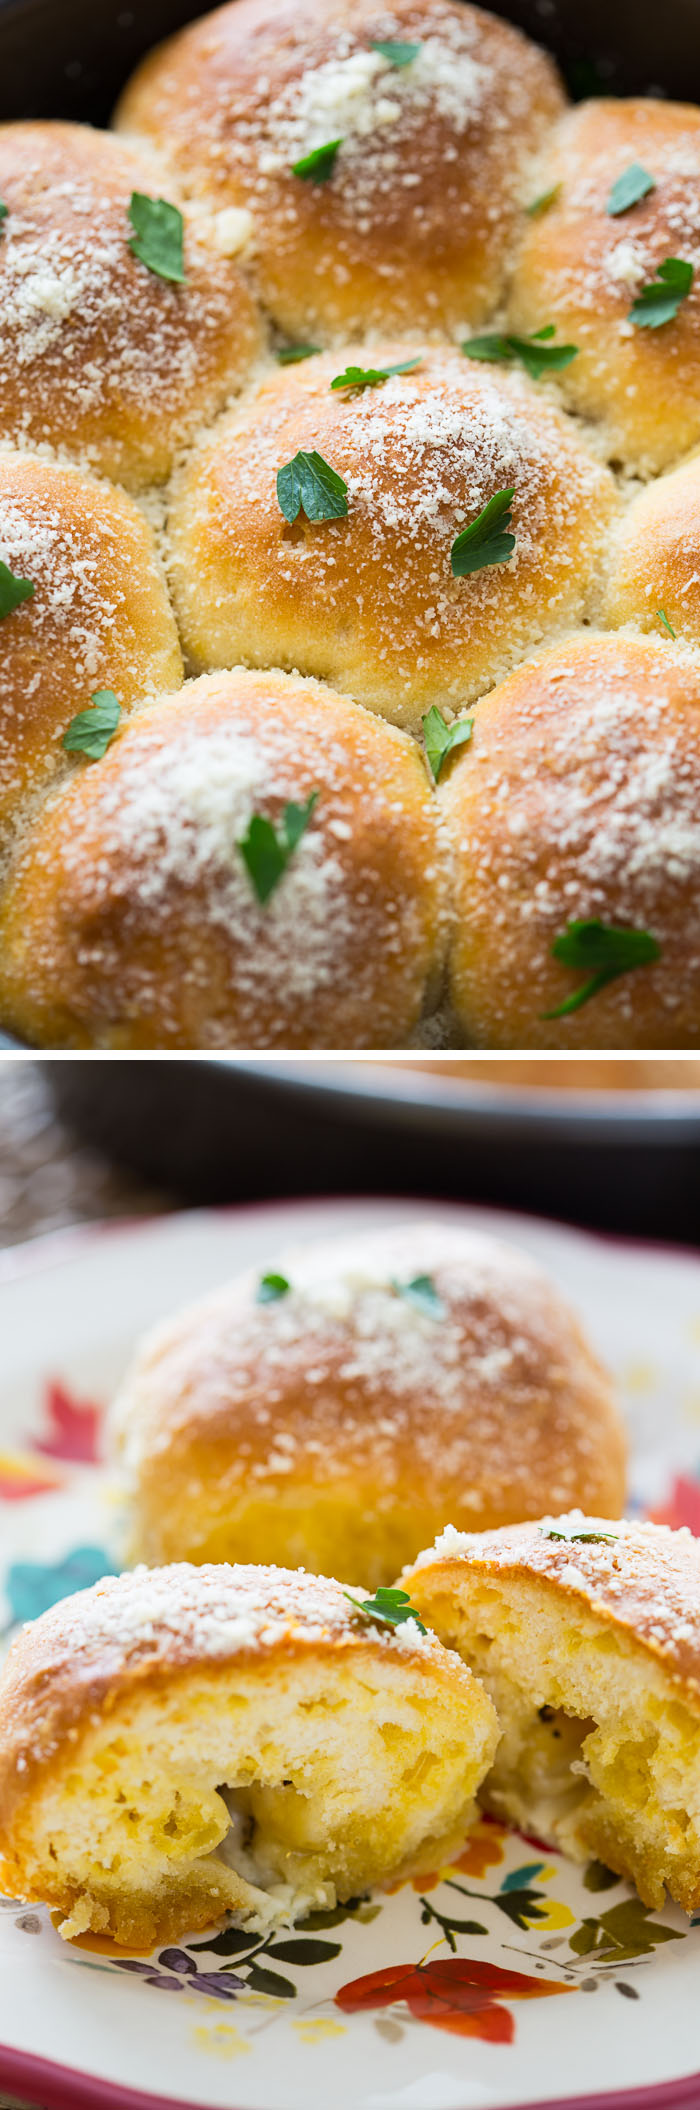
(78,2026)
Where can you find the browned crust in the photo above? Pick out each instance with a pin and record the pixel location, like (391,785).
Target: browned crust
(645,1582)
(486,1414)
(136,1631)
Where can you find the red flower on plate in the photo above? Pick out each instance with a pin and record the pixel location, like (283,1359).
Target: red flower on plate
(682,1505)
(73,1429)
(457,1994)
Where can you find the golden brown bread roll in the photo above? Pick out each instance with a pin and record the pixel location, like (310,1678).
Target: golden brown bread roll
(416,218)
(98,354)
(369,601)
(186,1742)
(586,1633)
(98,616)
(578,800)
(132,918)
(654,577)
(583,268)
(405,1376)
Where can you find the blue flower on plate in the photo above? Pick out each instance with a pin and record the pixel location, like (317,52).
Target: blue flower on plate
(32,1586)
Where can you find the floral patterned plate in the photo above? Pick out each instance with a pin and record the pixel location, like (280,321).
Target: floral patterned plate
(509,1977)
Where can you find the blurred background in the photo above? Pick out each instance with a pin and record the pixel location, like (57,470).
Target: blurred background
(614,1144)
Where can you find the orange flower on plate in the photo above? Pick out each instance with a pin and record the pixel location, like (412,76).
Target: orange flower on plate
(484,1848)
(458,1994)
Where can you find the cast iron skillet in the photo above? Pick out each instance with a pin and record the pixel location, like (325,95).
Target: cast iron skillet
(70,58)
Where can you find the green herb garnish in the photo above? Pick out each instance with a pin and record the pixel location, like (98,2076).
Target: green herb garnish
(309,484)
(485,541)
(421,1292)
(535,355)
(372,376)
(581,1538)
(317,166)
(292,354)
(158,236)
(602,951)
(13,591)
(91,731)
(398,54)
(441,739)
(634,183)
(540,204)
(266,851)
(659,302)
(663,618)
(271,1288)
(386,1608)
(3,210)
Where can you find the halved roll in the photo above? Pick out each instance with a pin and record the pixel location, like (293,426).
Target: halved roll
(586,1633)
(338,1408)
(179,1743)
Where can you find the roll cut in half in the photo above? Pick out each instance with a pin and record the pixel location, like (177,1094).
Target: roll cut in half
(382,152)
(383,599)
(252,864)
(340,1405)
(118,337)
(574,820)
(586,1633)
(179,1743)
(622,180)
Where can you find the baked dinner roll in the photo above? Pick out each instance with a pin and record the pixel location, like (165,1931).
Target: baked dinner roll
(99,354)
(578,802)
(98,615)
(253,864)
(586,1633)
(583,268)
(369,601)
(413,217)
(180,1743)
(394,1379)
(654,579)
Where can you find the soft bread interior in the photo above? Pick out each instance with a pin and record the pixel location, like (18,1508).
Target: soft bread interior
(267,1792)
(599,1753)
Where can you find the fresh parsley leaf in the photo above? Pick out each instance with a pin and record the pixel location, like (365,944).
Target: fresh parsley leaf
(292,354)
(421,1291)
(317,166)
(634,183)
(386,1608)
(3,210)
(398,54)
(271,1288)
(581,1538)
(308,484)
(537,357)
(540,204)
(91,731)
(485,540)
(441,739)
(13,591)
(372,376)
(266,851)
(663,618)
(604,952)
(659,302)
(158,236)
